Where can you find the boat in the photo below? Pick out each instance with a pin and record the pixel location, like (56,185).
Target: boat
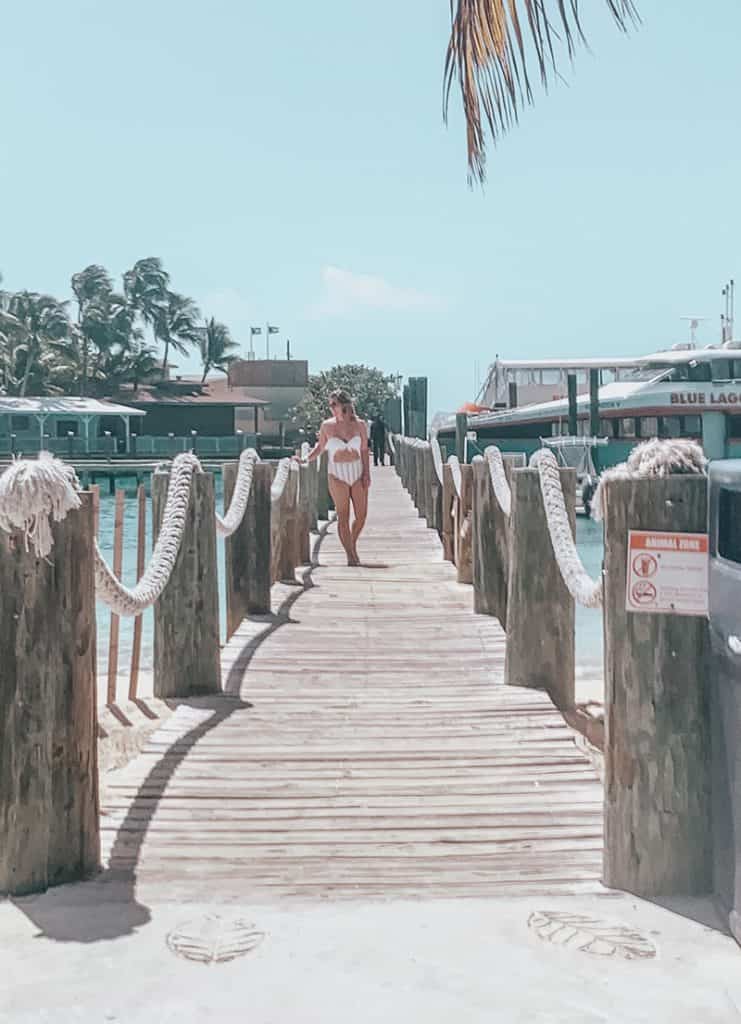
(685,392)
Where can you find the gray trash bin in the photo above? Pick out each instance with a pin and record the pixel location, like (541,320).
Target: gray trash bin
(725,633)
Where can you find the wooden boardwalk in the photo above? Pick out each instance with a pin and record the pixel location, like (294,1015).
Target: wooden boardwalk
(366,747)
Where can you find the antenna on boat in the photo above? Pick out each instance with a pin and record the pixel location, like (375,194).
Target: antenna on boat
(694,322)
(726,318)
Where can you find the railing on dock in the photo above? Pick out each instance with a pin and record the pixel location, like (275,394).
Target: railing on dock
(509,530)
(52,572)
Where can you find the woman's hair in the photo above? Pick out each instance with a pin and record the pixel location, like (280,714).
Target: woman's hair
(344,401)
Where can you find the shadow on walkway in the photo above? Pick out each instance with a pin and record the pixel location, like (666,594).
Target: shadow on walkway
(106,907)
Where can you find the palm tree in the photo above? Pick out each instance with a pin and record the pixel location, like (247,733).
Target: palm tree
(216,345)
(43,321)
(146,287)
(90,285)
(12,332)
(177,326)
(487,53)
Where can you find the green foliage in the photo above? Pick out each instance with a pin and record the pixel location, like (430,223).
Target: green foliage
(217,347)
(367,386)
(43,351)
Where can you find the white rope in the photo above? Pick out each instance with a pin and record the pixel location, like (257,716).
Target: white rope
(32,493)
(241,496)
(392,444)
(305,449)
(499,482)
(651,459)
(579,583)
(437,458)
(455,472)
(285,467)
(133,601)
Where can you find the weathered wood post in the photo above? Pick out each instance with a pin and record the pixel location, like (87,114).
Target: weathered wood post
(49,829)
(303,516)
(187,656)
(284,532)
(429,475)
(540,611)
(247,551)
(446,513)
(412,461)
(324,499)
(491,552)
(462,528)
(436,496)
(657,742)
(420,498)
(312,478)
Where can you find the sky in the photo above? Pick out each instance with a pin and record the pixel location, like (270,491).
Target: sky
(288,162)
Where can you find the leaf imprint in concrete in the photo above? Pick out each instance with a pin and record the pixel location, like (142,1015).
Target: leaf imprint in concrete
(590,935)
(214,940)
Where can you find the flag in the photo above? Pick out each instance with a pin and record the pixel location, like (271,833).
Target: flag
(255,330)
(272,330)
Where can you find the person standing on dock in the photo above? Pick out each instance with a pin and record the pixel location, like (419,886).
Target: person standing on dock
(345,438)
(378,439)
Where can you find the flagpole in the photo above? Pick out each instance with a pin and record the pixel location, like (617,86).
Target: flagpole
(267,341)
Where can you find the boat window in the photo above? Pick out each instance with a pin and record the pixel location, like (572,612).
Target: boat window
(701,372)
(722,369)
(20,423)
(670,426)
(729,524)
(581,378)
(648,426)
(550,377)
(608,428)
(734,426)
(692,426)
(628,427)
(607,376)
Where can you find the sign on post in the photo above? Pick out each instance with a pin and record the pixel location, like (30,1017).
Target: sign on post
(667,573)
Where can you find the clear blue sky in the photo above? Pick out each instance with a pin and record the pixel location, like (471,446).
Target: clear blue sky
(288,161)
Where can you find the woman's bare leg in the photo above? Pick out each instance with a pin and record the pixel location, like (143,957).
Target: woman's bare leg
(359,499)
(341,497)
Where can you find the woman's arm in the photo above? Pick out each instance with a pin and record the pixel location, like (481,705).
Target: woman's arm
(365,454)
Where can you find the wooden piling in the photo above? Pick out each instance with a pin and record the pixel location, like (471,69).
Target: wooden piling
(115,624)
(136,644)
(657,743)
(187,657)
(247,551)
(303,515)
(420,499)
(284,534)
(491,539)
(463,528)
(446,514)
(48,699)
(324,499)
(540,611)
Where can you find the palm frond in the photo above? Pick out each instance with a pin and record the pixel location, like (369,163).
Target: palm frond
(488,55)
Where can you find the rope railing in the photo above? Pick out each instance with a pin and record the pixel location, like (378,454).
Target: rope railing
(585,590)
(455,472)
(241,496)
(437,458)
(499,482)
(35,492)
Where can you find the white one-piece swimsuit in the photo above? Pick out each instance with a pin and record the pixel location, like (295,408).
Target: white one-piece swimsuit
(348,472)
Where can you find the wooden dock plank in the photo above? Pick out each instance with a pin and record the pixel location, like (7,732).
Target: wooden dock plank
(366,747)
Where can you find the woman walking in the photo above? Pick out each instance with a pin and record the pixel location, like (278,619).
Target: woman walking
(345,439)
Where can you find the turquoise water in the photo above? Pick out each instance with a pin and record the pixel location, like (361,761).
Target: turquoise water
(588,621)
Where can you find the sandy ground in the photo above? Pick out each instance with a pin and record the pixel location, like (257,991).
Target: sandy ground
(78,954)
